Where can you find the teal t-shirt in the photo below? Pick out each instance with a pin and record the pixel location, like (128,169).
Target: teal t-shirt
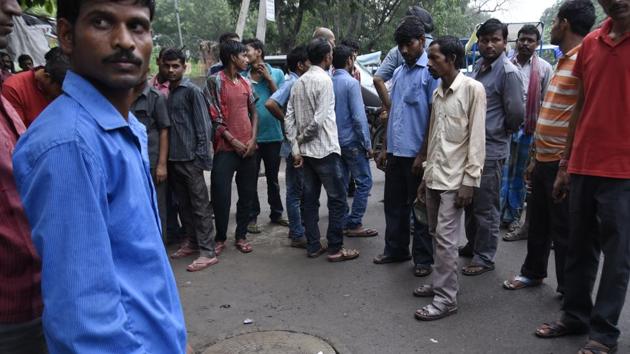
(269,128)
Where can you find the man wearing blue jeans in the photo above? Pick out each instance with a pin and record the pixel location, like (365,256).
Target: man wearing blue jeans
(312,130)
(354,139)
(298,64)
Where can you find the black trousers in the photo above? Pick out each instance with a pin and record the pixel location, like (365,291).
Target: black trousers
(599,216)
(225,165)
(549,222)
(195,212)
(269,154)
(23,338)
(401,188)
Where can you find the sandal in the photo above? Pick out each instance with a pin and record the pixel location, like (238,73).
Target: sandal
(422,271)
(317,253)
(281,221)
(515,235)
(184,251)
(476,269)
(243,246)
(520,282)
(343,255)
(594,347)
(253,228)
(361,232)
(555,329)
(425,290)
(219,247)
(201,263)
(432,313)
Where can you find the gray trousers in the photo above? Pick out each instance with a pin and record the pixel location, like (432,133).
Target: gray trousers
(194,202)
(22,338)
(483,215)
(446,225)
(160,191)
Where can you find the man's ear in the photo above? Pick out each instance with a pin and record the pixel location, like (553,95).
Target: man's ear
(65,36)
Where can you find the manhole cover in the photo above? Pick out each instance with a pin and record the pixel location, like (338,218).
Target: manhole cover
(272,342)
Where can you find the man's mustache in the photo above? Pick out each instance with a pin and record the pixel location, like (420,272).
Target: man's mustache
(124,56)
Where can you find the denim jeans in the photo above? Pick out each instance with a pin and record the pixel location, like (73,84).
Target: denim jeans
(269,154)
(328,172)
(356,163)
(295,187)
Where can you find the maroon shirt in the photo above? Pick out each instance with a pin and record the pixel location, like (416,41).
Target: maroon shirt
(20,293)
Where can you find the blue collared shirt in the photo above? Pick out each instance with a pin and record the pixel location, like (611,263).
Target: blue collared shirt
(352,125)
(82,171)
(412,90)
(281,96)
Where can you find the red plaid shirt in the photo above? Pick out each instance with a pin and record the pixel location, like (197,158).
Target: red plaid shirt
(20,294)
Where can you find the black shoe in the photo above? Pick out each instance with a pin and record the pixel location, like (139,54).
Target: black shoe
(466,251)
(383,259)
(299,243)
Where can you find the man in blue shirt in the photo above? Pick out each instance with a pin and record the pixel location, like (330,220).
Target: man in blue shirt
(354,139)
(265,80)
(83,173)
(298,64)
(403,155)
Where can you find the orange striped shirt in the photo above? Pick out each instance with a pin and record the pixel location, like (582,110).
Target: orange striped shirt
(552,126)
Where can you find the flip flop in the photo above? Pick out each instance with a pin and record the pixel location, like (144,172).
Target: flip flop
(184,251)
(243,246)
(201,263)
(476,269)
(521,282)
(556,329)
(343,255)
(361,232)
(432,313)
(219,247)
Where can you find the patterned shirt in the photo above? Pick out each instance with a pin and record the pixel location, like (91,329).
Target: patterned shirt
(310,121)
(552,127)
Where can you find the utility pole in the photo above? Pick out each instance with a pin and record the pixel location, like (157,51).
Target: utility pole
(261,28)
(242,18)
(179,25)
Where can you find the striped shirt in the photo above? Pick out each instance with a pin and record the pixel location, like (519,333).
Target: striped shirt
(552,126)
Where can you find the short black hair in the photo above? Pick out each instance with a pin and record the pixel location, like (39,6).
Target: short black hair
(228,36)
(352,43)
(296,56)
(453,49)
(491,26)
(341,53)
(57,64)
(229,48)
(317,50)
(256,44)
(174,54)
(529,29)
(4,54)
(23,58)
(580,14)
(410,28)
(424,16)
(69,9)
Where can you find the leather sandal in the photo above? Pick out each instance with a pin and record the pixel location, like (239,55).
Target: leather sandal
(595,347)
(425,290)
(343,255)
(432,312)
(201,263)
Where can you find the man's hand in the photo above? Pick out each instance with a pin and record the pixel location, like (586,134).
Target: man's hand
(383,115)
(561,185)
(239,147)
(422,192)
(528,172)
(160,173)
(250,148)
(262,70)
(381,160)
(189,349)
(298,161)
(416,168)
(369,154)
(464,196)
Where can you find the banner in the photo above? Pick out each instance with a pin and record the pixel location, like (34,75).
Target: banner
(271,11)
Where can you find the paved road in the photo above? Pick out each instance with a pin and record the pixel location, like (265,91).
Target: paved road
(360,307)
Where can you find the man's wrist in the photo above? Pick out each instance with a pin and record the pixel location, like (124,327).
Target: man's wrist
(563,164)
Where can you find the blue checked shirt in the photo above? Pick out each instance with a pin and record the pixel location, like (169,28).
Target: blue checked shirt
(82,171)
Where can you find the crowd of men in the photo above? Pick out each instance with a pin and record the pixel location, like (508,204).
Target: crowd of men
(112,163)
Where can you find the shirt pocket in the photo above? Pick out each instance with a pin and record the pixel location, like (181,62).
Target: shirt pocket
(455,127)
(412,94)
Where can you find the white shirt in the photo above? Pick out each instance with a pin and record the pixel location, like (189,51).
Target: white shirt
(310,121)
(457,135)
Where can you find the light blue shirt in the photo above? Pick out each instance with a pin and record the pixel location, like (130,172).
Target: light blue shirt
(83,174)
(412,90)
(281,96)
(352,124)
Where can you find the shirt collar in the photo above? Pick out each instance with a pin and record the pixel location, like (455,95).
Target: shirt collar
(341,72)
(185,82)
(86,95)
(422,61)
(604,32)
(154,82)
(455,85)
(572,52)
(293,75)
(317,69)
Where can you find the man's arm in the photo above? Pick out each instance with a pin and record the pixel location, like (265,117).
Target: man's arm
(65,198)
(11,94)
(163,123)
(326,100)
(290,128)
(477,138)
(384,73)
(273,107)
(357,114)
(253,116)
(383,94)
(201,122)
(513,101)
